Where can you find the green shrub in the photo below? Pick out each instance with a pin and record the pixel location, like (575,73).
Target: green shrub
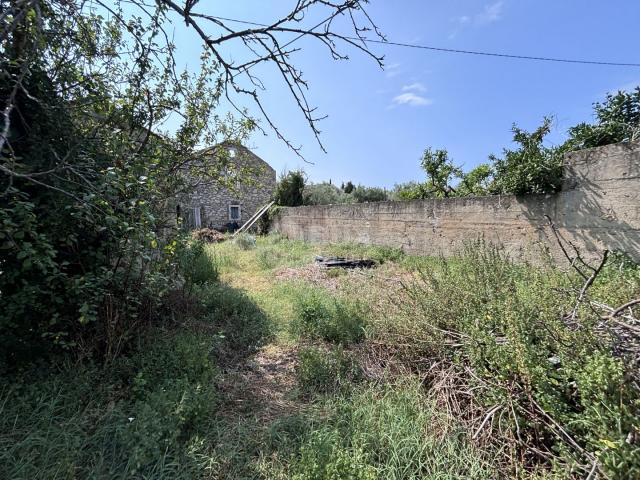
(289,189)
(325,371)
(244,241)
(319,315)
(507,325)
(198,264)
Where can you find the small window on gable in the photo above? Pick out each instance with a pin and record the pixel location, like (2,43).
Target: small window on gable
(232,152)
(235,213)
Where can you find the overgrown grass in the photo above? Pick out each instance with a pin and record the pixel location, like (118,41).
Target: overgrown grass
(198,264)
(321,370)
(138,417)
(469,367)
(378,432)
(320,315)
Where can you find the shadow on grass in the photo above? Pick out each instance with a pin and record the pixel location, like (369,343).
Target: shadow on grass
(152,413)
(239,326)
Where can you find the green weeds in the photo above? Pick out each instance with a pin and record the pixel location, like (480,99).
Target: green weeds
(321,370)
(381,432)
(322,316)
(461,336)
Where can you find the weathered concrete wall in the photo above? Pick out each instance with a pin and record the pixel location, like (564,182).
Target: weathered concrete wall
(598,208)
(254,188)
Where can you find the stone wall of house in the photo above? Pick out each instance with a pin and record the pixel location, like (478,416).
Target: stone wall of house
(249,183)
(598,208)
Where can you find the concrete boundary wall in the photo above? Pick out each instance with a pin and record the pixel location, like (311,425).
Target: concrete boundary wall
(598,208)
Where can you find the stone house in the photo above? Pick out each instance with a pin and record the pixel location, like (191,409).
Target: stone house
(246,183)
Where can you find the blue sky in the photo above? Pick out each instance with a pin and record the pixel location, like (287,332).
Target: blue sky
(380,121)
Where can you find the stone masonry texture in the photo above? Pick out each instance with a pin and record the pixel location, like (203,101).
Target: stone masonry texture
(254,187)
(598,208)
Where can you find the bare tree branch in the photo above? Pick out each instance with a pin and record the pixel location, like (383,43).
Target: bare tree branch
(272,51)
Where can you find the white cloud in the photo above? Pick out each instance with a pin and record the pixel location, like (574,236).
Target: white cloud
(392,70)
(414,87)
(491,13)
(411,99)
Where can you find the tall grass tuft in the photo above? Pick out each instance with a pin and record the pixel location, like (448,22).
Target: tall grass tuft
(198,264)
(383,432)
(318,314)
(245,241)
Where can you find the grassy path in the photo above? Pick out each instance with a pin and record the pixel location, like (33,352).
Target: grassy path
(268,368)
(315,401)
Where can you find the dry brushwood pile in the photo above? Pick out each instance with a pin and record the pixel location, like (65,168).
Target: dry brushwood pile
(208,235)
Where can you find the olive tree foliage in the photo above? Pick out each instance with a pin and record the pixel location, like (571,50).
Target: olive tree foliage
(362,194)
(325,193)
(87,170)
(532,167)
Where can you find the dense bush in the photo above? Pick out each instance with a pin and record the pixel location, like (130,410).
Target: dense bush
(511,327)
(531,168)
(290,188)
(617,120)
(87,251)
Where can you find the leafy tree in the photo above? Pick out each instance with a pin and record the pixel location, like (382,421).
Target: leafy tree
(348,188)
(324,194)
(531,168)
(409,191)
(87,173)
(617,120)
(290,188)
(440,172)
(369,194)
(477,182)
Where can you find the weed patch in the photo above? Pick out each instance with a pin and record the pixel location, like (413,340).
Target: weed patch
(320,315)
(198,264)
(388,432)
(322,370)
(244,241)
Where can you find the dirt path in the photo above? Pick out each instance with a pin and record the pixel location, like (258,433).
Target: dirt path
(264,387)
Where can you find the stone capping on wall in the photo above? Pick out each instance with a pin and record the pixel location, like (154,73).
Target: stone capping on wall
(598,208)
